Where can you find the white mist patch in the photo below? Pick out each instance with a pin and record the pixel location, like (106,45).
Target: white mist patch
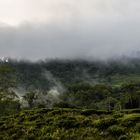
(53,96)
(47,99)
(57,89)
(38,97)
(20,92)
(54,93)
(23,103)
(57,85)
(88,79)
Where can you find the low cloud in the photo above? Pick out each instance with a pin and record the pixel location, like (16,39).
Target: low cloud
(77,29)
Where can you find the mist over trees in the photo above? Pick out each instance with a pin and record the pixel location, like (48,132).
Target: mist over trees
(70,97)
(107,85)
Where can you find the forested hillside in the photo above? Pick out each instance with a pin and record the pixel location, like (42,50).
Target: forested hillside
(70,99)
(107,85)
(71,124)
(113,72)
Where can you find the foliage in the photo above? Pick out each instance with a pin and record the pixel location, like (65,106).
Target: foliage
(9,102)
(63,105)
(88,84)
(116,130)
(96,100)
(66,124)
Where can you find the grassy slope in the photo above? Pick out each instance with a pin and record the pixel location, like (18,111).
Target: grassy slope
(70,124)
(118,79)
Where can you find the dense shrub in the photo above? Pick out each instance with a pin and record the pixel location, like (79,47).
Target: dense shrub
(67,124)
(137,127)
(123,137)
(105,123)
(118,115)
(116,130)
(88,112)
(63,105)
(129,111)
(130,120)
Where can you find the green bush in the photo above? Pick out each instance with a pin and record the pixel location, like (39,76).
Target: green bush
(130,120)
(137,127)
(63,105)
(118,115)
(67,123)
(123,137)
(116,130)
(88,112)
(105,123)
(129,111)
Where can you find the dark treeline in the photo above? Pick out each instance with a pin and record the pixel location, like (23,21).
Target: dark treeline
(107,85)
(73,71)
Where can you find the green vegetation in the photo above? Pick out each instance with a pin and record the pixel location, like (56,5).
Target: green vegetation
(8,98)
(115,72)
(70,124)
(70,100)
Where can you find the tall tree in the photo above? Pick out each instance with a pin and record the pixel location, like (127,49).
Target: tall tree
(8,102)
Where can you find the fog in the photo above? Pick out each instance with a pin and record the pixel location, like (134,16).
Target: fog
(76,29)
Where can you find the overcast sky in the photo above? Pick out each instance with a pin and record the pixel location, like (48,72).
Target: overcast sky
(39,29)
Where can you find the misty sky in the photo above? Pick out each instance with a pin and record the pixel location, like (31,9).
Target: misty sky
(39,29)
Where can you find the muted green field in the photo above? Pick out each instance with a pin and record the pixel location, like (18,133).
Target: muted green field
(71,124)
(89,101)
(118,79)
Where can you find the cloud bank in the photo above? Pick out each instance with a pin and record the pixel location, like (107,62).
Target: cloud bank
(85,29)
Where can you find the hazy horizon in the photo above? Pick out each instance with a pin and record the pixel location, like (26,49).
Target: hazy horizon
(81,29)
